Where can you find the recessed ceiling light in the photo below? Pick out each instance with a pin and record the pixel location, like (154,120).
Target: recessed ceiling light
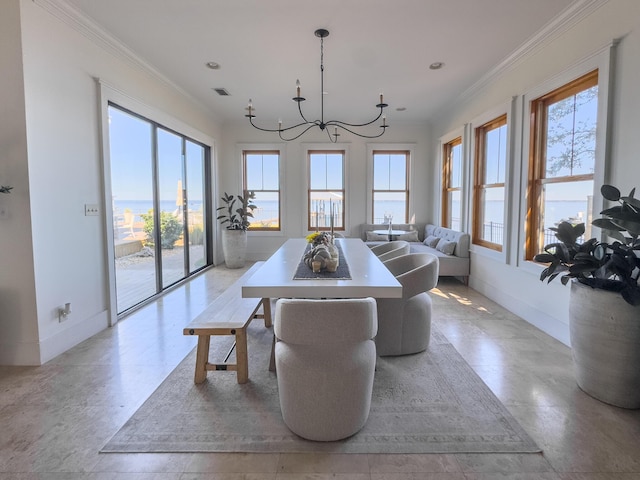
(213,65)
(436,65)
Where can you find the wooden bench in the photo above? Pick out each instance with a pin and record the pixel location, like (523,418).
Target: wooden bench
(229,314)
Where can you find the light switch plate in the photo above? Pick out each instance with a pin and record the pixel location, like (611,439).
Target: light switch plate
(91,209)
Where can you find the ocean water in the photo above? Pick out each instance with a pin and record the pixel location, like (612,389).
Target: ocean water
(143,206)
(556,211)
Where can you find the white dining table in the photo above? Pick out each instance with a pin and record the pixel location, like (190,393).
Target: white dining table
(369,277)
(275,278)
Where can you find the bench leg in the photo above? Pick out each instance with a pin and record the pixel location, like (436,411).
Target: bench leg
(202,357)
(242,360)
(266,309)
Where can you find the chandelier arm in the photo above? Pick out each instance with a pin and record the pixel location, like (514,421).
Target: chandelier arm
(312,124)
(339,123)
(302,115)
(384,128)
(333,138)
(275,130)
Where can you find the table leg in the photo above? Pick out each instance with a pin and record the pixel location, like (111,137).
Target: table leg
(266,309)
(242,358)
(202,357)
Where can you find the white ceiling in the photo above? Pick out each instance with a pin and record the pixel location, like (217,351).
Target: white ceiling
(263,46)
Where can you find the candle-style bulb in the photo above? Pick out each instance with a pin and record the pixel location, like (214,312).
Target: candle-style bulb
(279,124)
(297,87)
(381,98)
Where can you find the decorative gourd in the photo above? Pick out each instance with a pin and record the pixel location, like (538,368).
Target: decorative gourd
(319,253)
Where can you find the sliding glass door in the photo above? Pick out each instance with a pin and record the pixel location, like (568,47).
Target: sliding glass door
(159,195)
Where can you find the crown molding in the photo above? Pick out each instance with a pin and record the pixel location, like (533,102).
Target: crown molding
(568,18)
(83,24)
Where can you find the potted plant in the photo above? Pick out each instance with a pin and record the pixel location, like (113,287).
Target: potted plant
(235,214)
(604,306)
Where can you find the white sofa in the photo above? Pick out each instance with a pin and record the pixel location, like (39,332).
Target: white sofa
(455,264)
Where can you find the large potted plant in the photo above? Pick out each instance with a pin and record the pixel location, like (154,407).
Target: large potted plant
(604,306)
(235,214)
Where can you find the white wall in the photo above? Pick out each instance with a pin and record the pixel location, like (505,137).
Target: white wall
(262,244)
(514,285)
(63,128)
(18,328)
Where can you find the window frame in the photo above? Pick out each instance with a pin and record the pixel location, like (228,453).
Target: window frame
(536,177)
(327,151)
(261,151)
(480,164)
(406,191)
(447,148)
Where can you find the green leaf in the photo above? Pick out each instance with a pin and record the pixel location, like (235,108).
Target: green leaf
(605,224)
(566,233)
(631,226)
(578,230)
(631,201)
(544,258)
(544,274)
(610,192)
(577,268)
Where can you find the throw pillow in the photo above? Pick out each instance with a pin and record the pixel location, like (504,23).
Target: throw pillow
(376,237)
(409,237)
(431,241)
(446,247)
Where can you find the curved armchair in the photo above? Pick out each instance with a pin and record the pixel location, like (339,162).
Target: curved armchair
(388,250)
(404,324)
(325,360)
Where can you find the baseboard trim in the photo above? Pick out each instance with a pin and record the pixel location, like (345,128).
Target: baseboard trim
(70,337)
(548,324)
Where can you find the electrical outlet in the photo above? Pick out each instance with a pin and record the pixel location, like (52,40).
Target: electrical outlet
(91,209)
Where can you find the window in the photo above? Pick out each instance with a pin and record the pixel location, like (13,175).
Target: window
(452,184)
(390,186)
(326,190)
(160,190)
(262,176)
(489,184)
(562,159)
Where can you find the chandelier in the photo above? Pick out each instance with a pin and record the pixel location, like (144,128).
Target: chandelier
(306,125)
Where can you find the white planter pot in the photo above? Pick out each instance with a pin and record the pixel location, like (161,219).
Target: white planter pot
(234,247)
(605,343)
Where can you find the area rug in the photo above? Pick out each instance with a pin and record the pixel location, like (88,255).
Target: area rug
(431,402)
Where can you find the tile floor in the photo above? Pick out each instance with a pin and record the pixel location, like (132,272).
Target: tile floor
(55,418)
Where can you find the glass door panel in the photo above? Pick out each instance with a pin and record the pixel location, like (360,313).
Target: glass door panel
(131,148)
(171,201)
(160,187)
(195,158)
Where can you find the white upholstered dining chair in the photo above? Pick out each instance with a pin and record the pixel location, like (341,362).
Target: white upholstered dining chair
(404,324)
(388,250)
(325,361)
